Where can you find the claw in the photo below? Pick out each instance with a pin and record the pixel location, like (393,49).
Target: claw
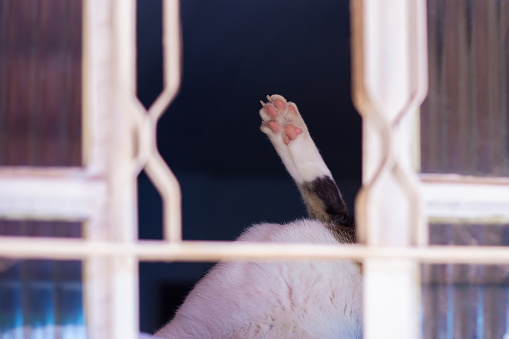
(269,99)
(263,104)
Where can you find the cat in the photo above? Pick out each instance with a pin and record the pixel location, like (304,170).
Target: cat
(293,299)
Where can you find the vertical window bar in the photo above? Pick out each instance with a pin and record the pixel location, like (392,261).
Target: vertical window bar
(148,157)
(122,180)
(97,139)
(390,82)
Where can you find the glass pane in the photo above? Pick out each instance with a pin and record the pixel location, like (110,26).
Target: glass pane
(40,82)
(464,120)
(41,298)
(466,301)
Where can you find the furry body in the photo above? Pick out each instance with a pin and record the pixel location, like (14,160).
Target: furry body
(296,299)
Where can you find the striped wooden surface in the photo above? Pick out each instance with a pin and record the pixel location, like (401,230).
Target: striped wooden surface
(465,120)
(40,82)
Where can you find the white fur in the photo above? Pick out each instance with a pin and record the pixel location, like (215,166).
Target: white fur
(301,157)
(306,299)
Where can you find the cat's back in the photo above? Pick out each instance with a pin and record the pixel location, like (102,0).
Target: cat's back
(290,299)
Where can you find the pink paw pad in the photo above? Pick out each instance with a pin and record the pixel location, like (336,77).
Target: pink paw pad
(281,118)
(291,132)
(274,126)
(280,104)
(272,111)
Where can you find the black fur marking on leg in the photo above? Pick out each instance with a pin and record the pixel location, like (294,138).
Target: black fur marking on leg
(324,201)
(325,188)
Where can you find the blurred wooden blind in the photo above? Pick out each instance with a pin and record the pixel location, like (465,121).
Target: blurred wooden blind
(461,300)
(464,120)
(464,130)
(40,82)
(41,298)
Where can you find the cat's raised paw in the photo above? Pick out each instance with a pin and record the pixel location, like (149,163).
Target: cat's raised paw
(281,119)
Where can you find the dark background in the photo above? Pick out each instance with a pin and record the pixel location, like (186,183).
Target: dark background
(235,52)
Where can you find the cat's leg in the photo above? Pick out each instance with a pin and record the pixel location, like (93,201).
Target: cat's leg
(284,126)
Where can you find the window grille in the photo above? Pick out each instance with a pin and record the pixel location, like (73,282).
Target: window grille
(390,81)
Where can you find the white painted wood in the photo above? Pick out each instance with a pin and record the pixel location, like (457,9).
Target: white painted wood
(123,200)
(98,123)
(390,82)
(382,306)
(97,85)
(126,121)
(65,194)
(450,196)
(14,247)
(148,157)
(386,105)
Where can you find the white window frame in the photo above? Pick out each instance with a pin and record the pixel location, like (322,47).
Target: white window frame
(390,81)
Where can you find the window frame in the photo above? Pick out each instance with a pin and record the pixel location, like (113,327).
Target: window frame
(103,192)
